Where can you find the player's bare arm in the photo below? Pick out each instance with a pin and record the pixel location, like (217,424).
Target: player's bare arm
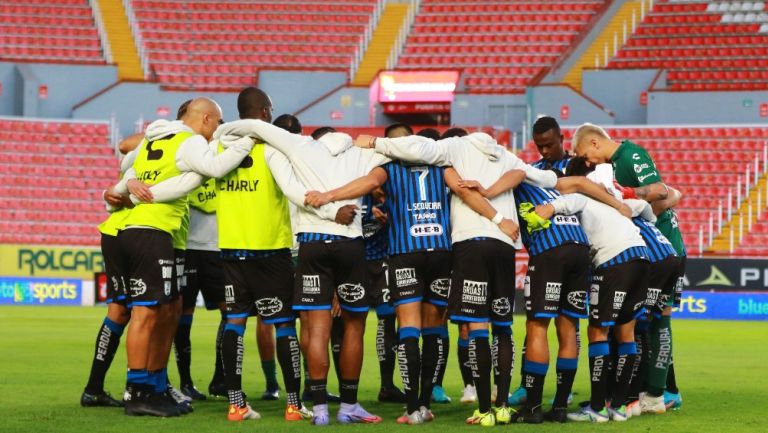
(653,192)
(673,198)
(357,188)
(545,211)
(508,181)
(480,204)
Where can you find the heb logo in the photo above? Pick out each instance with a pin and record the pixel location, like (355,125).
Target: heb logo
(32,291)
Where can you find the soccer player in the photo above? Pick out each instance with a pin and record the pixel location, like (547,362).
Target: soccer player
(146,242)
(634,168)
(331,259)
(617,295)
(483,247)
(419,257)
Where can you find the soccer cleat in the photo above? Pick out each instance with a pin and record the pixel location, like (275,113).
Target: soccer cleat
(486,419)
(236,413)
(556,414)
(182,405)
(528,416)
(619,414)
(140,401)
(293,413)
(411,419)
(469,395)
(439,395)
(426,414)
(178,396)
(587,414)
(650,404)
(190,391)
(633,408)
(356,414)
(102,399)
(518,398)
(271,394)
(673,401)
(391,395)
(217,389)
(320,415)
(503,414)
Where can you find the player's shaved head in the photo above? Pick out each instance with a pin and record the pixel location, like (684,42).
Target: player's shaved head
(254,103)
(593,143)
(203,115)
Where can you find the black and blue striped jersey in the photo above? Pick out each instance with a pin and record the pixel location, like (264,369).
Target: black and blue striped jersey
(306,238)
(565,229)
(374,234)
(417,208)
(659,247)
(559,165)
(632,253)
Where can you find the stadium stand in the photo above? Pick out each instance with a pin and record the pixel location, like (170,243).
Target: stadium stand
(704,45)
(52,174)
(501,46)
(703,162)
(232,40)
(49,31)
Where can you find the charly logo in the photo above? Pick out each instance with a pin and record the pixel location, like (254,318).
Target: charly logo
(441,287)
(501,306)
(269,306)
(351,292)
(138,287)
(578,300)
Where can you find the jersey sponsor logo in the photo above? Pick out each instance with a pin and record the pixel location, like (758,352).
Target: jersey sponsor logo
(652,297)
(578,299)
(501,306)
(441,287)
(405,277)
(552,291)
(566,220)
(162,262)
(640,167)
(204,196)
(474,292)
(636,156)
(138,287)
(351,292)
(594,294)
(167,272)
(419,230)
(269,306)
(310,284)
(167,288)
(229,294)
(237,186)
(148,176)
(618,299)
(646,176)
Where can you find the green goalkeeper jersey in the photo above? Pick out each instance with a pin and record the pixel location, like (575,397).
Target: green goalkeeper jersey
(633,167)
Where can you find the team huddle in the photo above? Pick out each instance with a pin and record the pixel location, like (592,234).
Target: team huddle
(421,227)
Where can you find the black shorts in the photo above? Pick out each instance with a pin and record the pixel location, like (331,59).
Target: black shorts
(150,266)
(557,282)
(328,267)
(661,285)
(424,275)
(378,276)
(680,284)
(618,293)
(204,274)
(483,282)
(114,267)
(260,286)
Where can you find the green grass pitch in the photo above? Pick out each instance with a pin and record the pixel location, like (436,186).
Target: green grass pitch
(45,356)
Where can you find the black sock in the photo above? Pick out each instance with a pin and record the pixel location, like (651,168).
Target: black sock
(503,362)
(480,360)
(318,389)
(534,374)
(522,370)
(410,365)
(640,371)
(218,372)
(289,358)
(466,369)
(671,379)
(566,372)
(432,361)
(233,362)
(445,341)
(386,349)
(107,342)
(625,364)
(598,358)
(348,390)
(337,336)
(183,349)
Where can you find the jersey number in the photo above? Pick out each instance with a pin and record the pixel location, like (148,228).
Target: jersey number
(424,172)
(153,154)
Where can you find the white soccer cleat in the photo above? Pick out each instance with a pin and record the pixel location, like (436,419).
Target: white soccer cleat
(469,395)
(650,404)
(633,408)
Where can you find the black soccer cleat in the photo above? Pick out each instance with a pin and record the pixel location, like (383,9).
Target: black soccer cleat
(557,414)
(190,391)
(102,399)
(271,394)
(528,416)
(391,395)
(140,401)
(217,389)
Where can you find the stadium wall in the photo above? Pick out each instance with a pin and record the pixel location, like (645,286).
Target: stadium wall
(620,91)
(292,90)
(666,107)
(347,106)
(567,105)
(9,79)
(508,111)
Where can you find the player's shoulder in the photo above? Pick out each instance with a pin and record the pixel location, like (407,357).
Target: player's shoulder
(634,151)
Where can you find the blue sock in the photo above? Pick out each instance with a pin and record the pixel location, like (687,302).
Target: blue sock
(138,377)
